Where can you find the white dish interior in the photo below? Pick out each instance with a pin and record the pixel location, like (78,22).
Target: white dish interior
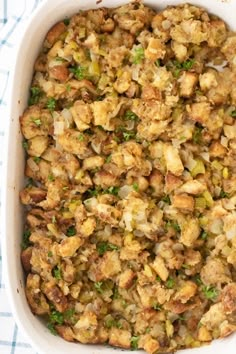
(49,13)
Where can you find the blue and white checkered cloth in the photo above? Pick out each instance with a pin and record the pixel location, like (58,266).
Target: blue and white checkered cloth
(12,14)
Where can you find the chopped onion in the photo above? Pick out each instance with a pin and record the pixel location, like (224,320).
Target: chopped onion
(59,128)
(107,230)
(66,114)
(216,226)
(166,24)
(124,191)
(135,72)
(90,203)
(96,147)
(138,233)
(224,141)
(205,156)
(32,165)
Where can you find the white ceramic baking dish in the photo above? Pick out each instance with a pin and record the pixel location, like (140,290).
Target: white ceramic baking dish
(12,223)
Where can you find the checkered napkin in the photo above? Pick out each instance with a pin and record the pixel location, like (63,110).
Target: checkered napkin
(12,14)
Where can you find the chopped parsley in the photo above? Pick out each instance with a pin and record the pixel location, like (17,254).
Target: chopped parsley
(81,137)
(112,190)
(51,104)
(68,87)
(129,115)
(127,135)
(136,186)
(174,225)
(80,72)
(56,317)
(51,328)
(108,159)
(134,342)
(233,114)
(103,247)
(66,21)
(111,322)
(36,121)
(69,314)
(25,144)
(94,192)
(198,279)
(204,235)
(224,194)
(166,199)
(210,292)
(57,273)
(188,64)
(26,242)
(170,283)
(71,231)
(158,278)
(138,55)
(51,178)
(157,307)
(98,286)
(36,159)
(158,63)
(50,254)
(35,94)
(197,135)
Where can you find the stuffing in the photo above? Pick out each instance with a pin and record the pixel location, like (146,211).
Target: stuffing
(129,137)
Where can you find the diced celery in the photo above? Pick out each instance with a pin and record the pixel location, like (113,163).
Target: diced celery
(198,168)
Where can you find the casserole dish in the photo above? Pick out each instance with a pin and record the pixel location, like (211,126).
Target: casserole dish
(37,333)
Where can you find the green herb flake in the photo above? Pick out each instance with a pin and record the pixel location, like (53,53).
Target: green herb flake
(138,55)
(98,286)
(26,242)
(56,317)
(127,135)
(210,292)
(51,328)
(51,178)
(157,307)
(51,104)
(108,159)
(81,137)
(36,159)
(57,273)
(233,114)
(35,94)
(112,190)
(54,220)
(30,182)
(148,330)
(68,314)
(103,247)
(80,72)
(50,254)
(224,194)
(71,231)
(185,266)
(93,192)
(158,63)
(25,144)
(111,322)
(188,64)
(197,279)
(68,87)
(158,278)
(174,225)
(36,121)
(197,135)
(170,283)
(134,342)
(166,199)
(129,115)
(136,186)
(66,21)
(204,235)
